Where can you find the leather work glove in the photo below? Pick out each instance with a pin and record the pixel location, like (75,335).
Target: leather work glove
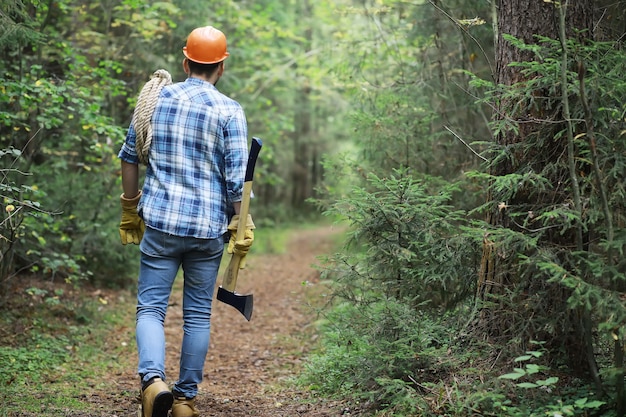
(240,247)
(131,226)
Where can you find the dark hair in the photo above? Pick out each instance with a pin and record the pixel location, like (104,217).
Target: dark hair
(203,69)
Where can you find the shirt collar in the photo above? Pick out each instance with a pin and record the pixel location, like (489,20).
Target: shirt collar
(198,81)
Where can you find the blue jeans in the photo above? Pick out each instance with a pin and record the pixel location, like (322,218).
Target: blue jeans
(161,257)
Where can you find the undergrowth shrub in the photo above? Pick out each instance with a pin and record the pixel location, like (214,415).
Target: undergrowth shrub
(405,243)
(379,353)
(405,265)
(60,174)
(19,204)
(530,388)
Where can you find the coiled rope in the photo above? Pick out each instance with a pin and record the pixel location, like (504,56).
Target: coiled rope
(146,103)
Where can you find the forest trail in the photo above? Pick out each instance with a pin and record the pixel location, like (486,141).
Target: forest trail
(249,364)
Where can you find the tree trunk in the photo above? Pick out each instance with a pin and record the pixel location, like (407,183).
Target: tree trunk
(302,124)
(302,150)
(536,116)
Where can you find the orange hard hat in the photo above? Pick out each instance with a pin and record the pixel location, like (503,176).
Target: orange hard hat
(206,45)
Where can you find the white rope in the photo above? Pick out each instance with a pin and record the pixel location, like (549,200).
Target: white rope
(142,116)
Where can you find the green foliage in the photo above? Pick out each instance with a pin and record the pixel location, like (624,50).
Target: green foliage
(412,255)
(404,87)
(57,343)
(375,352)
(66,160)
(61,103)
(16,26)
(398,132)
(542,396)
(409,243)
(405,265)
(559,222)
(528,370)
(551,265)
(18,204)
(25,365)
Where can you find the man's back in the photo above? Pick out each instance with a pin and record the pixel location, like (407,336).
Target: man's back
(197,160)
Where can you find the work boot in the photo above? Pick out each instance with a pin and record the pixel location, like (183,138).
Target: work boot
(184,407)
(156,399)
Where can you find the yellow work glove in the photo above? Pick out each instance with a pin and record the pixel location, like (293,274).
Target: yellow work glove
(131,226)
(240,247)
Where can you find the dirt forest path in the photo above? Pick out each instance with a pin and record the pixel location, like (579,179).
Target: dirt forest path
(249,363)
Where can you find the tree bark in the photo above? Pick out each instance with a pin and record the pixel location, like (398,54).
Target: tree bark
(301,181)
(539,114)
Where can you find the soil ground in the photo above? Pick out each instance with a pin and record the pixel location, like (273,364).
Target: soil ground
(250,365)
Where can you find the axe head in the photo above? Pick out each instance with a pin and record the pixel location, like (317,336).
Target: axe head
(243,303)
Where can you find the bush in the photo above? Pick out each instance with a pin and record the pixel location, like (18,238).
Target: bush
(405,265)
(381,353)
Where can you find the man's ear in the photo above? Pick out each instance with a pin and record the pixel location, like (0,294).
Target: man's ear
(186,66)
(220,69)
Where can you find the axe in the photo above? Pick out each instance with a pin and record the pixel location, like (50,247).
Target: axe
(226,292)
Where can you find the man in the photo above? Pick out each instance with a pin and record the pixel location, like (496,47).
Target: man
(194,178)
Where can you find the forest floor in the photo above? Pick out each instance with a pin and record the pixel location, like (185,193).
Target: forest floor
(251,366)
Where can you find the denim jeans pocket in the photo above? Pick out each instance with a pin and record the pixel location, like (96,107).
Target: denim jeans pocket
(153,242)
(210,246)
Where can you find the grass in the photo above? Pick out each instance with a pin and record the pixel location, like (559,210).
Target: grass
(58,346)
(274,240)
(270,241)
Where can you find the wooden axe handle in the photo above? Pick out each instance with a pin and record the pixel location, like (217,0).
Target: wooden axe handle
(229,281)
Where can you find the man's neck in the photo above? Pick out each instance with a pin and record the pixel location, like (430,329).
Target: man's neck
(212,79)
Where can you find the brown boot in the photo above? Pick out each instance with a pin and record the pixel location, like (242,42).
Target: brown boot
(184,407)
(156,399)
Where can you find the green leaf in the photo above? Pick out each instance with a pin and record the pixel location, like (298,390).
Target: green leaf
(517,373)
(527,385)
(532,368)
(546,382)
(584,403)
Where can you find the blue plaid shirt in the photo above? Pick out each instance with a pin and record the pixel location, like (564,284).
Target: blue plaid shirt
(197,159)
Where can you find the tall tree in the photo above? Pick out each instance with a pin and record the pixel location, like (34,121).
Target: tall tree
(303,115)
(539,169)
